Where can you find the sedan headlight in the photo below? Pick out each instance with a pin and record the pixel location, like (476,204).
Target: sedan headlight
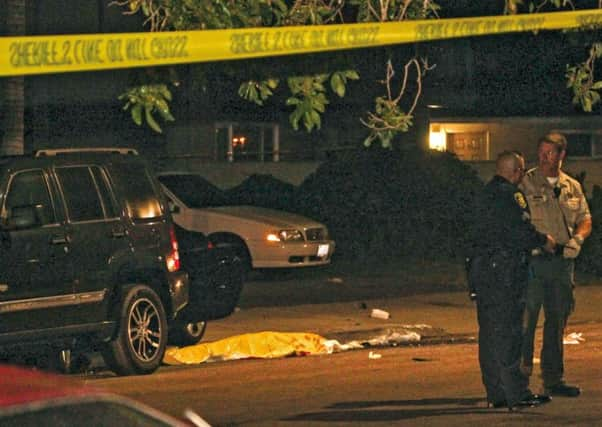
(285,236)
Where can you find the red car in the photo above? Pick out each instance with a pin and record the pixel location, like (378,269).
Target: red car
(33,398)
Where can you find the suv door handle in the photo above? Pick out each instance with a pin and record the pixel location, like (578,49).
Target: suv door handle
(117,233)
(59,240)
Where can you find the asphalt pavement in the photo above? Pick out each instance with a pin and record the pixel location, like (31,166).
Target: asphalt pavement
(341,308)
(437,317)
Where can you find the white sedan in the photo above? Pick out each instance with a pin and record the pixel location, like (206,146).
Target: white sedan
(264,238)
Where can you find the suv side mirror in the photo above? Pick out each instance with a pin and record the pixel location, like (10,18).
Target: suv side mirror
(21,217)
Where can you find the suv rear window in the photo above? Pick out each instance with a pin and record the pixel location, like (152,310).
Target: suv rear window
(140,197)
(106,195)
(81,194)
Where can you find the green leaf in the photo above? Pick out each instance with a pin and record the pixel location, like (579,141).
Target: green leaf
(337,84)
(272,83)
(243,90)
(352,75)
(166,115)
(319,86)
(309,125)
(137,114)
(294,118)
(264,92)
(164,92)
(587,104)
(316,119)
(293,101)
(280,5)
(253,96)
(161,105)
(317,105)
(151,121)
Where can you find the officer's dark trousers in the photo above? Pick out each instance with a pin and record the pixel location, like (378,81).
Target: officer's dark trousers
(500,309)
(551,285)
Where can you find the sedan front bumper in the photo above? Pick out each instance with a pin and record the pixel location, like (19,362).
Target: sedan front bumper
(287,255)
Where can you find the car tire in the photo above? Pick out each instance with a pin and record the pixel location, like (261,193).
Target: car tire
(139,344)
(242,253)
(184,333)
(227,284)
(238,248)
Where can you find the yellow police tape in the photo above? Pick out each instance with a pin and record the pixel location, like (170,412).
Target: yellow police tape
(68,53)
(265,345)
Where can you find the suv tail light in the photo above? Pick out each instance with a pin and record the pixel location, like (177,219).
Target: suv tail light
(173,258)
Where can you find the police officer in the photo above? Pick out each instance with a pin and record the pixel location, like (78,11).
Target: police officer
(559,208)
(498,273)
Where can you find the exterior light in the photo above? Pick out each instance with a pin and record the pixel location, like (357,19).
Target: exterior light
(437,138)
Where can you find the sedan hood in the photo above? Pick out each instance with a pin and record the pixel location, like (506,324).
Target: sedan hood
(276,218)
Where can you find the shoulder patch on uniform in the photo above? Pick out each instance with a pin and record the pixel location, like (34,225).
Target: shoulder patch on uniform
(520,199)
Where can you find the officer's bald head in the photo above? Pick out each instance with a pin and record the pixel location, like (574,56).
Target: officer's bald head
(510,165)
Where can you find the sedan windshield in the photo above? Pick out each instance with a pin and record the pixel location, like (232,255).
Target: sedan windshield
(194,191)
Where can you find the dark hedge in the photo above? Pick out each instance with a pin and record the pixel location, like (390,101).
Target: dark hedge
(590,259)
(265,191)
(384,203)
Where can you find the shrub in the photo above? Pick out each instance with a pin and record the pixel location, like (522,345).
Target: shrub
(590,259)
(385,204)
(265,191)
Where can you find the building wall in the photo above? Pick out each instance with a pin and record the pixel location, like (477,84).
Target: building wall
(226,175)
(206,141)
(517,133)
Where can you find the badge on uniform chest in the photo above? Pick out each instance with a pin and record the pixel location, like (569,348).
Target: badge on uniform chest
(520,199)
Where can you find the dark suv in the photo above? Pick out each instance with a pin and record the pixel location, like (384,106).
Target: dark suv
(88,255)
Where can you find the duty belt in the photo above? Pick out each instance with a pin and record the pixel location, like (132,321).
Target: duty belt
(558,251)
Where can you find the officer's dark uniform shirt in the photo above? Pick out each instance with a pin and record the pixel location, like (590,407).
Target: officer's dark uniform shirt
(503,221)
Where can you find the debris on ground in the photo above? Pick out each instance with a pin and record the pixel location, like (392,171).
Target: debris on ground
(573,338)
(394,338)
(379,314)
(421,359)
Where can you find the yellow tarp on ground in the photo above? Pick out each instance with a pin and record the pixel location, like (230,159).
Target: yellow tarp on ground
(258,345)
